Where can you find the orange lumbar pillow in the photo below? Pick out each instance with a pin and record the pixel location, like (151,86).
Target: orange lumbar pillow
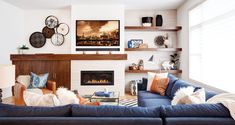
(159,85)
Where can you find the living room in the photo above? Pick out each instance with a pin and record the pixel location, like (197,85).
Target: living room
(117,62)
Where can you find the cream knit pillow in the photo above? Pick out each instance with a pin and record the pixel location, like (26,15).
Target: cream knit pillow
(187,96)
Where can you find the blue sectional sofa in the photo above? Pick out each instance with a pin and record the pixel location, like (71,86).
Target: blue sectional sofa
(153,110)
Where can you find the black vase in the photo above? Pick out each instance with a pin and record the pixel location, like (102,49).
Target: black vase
(159,20)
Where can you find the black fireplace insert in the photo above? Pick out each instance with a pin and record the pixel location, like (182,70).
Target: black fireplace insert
(97,78)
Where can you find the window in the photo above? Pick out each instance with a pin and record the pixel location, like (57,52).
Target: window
(212,44)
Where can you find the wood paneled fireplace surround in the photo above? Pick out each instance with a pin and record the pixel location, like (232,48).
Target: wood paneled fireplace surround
(57,65)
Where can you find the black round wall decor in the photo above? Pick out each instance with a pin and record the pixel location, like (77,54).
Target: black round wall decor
(37,40)
(48,32)
(51,21)
(63,29)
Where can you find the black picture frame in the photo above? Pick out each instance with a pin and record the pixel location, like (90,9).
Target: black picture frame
(101,43)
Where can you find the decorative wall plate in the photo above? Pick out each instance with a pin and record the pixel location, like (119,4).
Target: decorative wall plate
(48,32)
(37,40)
(57,39)
(63,29)
(51,22)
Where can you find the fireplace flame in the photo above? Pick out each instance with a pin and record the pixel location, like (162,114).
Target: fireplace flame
(98,81)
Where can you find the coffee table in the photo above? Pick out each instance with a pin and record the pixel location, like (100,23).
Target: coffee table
(112,100)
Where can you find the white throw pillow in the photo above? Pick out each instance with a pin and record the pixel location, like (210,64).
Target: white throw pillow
(66,97)
(24,79)
(35,99)
(187,95)
(151,76)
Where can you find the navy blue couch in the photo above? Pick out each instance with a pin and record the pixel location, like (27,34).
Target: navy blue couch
(200,114)
(79,115)
(153,110)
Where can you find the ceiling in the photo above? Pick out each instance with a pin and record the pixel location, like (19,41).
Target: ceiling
(129,4)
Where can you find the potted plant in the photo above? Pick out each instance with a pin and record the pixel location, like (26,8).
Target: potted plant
(175,60)
(23,48)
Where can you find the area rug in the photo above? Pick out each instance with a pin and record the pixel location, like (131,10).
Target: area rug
(128,102)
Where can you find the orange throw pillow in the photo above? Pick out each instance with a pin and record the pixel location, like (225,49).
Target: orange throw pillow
(159,85)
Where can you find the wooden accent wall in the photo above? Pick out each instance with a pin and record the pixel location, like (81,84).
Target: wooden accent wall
(57,65)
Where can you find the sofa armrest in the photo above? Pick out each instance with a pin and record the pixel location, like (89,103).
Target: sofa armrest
(51,85)
(195,110)
(18,94)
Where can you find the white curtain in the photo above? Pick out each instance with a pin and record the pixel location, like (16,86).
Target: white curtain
(212,44)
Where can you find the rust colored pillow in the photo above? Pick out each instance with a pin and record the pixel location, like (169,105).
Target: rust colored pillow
(159,85)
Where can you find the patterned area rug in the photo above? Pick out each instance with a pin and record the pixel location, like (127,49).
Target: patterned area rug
(128,102)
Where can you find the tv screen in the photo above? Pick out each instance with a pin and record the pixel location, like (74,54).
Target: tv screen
(97,33)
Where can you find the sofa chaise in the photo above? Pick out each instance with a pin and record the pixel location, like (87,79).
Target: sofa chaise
(194,114)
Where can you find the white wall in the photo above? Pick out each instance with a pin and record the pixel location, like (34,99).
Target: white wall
(11,34)
(97,12)
(35,21)
(133,18)
(183,35)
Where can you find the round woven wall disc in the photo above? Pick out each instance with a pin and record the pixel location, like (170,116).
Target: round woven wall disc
(57,39)
(37,40)
(48,32)
(51,22)
(63,29)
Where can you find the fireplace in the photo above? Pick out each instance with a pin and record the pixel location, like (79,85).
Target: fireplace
(97,78)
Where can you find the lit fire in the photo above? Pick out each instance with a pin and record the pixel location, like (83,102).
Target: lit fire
(98,81)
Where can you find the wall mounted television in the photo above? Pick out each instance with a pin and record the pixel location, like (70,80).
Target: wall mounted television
(97,33)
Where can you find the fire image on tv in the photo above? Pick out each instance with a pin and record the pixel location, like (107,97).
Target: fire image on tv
(97,33)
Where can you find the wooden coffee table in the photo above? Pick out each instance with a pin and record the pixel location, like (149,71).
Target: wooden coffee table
(112,100)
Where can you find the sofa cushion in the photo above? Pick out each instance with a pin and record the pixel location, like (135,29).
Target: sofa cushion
(178,84)
(113,111)
(195,110)
(172,80)
(210,94)
(30,111)
(143,86)
(149,95)
(154,102)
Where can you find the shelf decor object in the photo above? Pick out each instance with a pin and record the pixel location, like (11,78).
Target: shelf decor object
(159,20)
(147,21)
(22,49)
(7,79)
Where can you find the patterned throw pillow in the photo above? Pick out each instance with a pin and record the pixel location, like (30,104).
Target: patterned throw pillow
(38,81)
(159,85)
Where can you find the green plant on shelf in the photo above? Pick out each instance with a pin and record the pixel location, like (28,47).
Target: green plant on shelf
(175,60)
(24,47)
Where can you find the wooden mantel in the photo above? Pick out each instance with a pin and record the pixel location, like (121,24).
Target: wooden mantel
(15,57)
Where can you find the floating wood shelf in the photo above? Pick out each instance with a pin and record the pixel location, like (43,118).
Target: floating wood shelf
(153,28)
(157,71)
(68,57)
(154,49)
